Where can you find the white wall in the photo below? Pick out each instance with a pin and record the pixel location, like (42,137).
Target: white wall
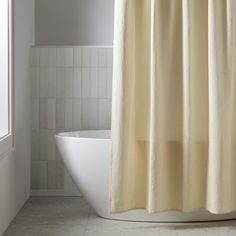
(74,22)
(15,166)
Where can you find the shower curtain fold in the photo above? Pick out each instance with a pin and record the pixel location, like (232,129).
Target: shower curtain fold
(174,106)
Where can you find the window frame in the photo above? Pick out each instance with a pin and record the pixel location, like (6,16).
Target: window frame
(7,141)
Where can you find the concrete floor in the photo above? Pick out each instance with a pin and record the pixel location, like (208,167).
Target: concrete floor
(71,216)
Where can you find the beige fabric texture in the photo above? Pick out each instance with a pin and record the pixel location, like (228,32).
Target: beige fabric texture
(174,106)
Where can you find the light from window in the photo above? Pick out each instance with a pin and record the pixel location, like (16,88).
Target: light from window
(4,69)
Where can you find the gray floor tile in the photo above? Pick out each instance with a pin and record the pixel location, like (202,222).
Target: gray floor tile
(72,216)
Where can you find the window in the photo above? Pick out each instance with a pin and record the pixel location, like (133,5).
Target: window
(5,77)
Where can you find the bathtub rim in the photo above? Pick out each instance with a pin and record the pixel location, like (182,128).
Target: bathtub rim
(66,134)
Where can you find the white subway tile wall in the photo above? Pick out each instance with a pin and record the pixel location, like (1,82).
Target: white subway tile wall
(71,90)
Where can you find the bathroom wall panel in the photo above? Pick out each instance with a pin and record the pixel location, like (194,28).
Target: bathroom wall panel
(71,90)
(15,164)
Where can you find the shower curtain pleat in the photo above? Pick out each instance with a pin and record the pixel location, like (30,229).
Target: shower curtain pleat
(174,106)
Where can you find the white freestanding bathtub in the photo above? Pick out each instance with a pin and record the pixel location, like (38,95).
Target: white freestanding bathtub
(86,155)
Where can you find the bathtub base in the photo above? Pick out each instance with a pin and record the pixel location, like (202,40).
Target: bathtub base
(169,217)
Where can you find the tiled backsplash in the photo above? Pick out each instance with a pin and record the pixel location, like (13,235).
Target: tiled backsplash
(71,90)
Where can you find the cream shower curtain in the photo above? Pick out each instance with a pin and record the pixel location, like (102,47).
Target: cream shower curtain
(174,106)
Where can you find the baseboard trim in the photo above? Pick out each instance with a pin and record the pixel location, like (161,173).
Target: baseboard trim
(55,192)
